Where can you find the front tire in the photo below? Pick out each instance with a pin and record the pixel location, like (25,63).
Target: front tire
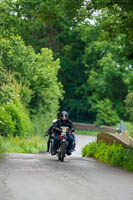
(63,151)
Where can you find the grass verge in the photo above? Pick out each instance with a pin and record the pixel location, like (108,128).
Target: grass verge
(84,132)
(33,144)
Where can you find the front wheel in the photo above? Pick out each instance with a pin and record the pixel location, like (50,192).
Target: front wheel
(63,151)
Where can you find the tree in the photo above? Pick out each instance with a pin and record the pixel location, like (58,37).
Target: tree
(115,18)
(51,24)
(14,118)
(108,71)
(105,114)
(37,72)
(129,104)
(39,22)
(95,59)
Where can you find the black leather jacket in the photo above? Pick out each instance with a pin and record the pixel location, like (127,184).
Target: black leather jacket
(67,123)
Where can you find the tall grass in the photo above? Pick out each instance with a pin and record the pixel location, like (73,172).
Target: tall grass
(33,144)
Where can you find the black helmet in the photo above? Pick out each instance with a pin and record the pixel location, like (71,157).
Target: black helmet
(64,114)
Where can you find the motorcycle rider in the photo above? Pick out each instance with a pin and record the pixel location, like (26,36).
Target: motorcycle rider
(49,133)
(64,121)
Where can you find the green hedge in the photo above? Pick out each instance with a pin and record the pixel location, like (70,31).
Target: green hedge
(21,119)
(14,120)
(114,154)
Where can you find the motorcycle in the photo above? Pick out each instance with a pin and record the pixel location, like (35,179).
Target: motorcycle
(63,143)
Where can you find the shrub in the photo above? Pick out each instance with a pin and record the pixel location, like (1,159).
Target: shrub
(6,94)
(114,154)
(100,150)
(21,119)
(3,75)
(7,125)
(89,149)
(128,160)
(117,155)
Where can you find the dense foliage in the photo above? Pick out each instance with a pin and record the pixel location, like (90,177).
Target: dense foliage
(81,47)
(32,92)
(114,154)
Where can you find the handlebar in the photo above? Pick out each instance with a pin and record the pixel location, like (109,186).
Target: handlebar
(57,129)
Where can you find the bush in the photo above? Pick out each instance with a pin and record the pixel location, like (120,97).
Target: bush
(114,154)
(128,160)
(3,75)
(7,125)
(21,119)
(89,150)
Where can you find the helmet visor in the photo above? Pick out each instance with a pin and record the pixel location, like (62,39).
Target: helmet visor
(64,115)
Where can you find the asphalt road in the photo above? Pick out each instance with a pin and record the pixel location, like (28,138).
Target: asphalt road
(43,177)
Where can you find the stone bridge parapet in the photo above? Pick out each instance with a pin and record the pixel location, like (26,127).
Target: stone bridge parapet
(109,138)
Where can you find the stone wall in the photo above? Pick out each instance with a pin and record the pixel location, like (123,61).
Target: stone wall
(107,134)
(94,128)
(109,138)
